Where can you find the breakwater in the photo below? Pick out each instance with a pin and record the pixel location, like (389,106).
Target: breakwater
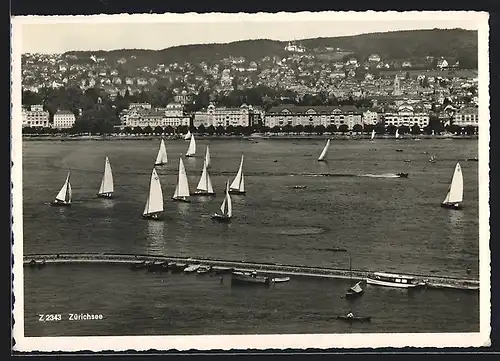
(429,281)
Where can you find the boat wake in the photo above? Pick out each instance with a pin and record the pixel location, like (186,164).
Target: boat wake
(385,175)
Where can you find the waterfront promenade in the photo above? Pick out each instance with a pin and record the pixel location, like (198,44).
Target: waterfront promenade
(295,270)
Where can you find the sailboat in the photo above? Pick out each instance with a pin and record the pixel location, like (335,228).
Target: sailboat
(187,136)
(238,185)
(161,158)
(373,134)
(397,134)
(226,209)
(204,187)
(181,193)
(208,160)
(154,204)
(106,189)
(192,147)
(63,198)
(323,153)
(456,191)
(355,290)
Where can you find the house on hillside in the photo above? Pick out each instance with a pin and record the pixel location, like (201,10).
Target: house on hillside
(442,63)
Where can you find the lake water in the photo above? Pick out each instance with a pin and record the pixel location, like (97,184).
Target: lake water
(389,224)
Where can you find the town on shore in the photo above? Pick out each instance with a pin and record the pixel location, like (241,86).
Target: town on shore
(302,90)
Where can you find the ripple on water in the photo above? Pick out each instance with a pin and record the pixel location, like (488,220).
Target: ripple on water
(300,231)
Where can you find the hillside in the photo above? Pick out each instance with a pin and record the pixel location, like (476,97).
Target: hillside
(454,43)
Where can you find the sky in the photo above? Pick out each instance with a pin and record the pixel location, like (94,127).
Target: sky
(57,34)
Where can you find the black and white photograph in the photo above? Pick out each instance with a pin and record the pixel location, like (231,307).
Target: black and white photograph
(250,181)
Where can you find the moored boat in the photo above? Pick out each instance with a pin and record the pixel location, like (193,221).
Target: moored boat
(192,268)
(391,280)
(249,278)
(280,279)
(204,269)
(177,267)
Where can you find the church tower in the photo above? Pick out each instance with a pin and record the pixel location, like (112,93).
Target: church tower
(397,86)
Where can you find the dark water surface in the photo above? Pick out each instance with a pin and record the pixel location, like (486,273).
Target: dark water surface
(388,224)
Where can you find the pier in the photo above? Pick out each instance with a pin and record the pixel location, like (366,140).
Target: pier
(428,281)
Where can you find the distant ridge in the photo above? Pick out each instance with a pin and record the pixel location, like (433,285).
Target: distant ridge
(454,43)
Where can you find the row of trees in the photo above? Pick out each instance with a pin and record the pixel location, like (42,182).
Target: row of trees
(380,129)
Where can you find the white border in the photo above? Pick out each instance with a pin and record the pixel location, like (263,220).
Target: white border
(257,342)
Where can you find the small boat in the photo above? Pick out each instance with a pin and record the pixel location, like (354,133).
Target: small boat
(391,280)
(192,147)
(187,136)
(323,153)
(204,269)
(455,193)
(354,291)
(219,270)
(63,198)
(475,159)
(399,150)
(177,267)
(161,158)
(191,268)
(181,193)
(373,135)
(208,159)
(226,208)
(336,249)
(249,278)
(280,279)
(432,159)
(355,318)
(299,187)
(402,175)
(238,184)
(154,203)
(407,160)
(106,189)
(397,134)
(204,187)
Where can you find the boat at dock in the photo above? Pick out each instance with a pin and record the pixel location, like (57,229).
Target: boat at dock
(192,268)
(203,269)
(391,280)
(455,193)
(248,278)
(280,279)
(106,189)
(154,203)
(63,198)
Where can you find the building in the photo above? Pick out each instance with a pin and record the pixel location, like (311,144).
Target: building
(374,58)
(214,116)
(397,87)
(143,115)
(407,116)
(35,117)
(63,119)
(442,63)
(370,117)
(466,116)
(293,115)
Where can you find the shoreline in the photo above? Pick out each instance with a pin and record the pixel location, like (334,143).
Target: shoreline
(255,138)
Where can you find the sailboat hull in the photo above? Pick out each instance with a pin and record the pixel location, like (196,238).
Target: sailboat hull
(236,191)
(221,218)
(190,155)
(451,205)
(152,217)
(159,164)
(56,203)
(203,193)
(352,294)
(181,199)
(105,195)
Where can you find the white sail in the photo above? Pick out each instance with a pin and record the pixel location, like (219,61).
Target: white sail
(357,288)
(397,133)
(154,203)
(205,183)
(208,161)
(373,134)
(227,206)
(107,179)
(182,189)
(187,136)
(161,158)
(64,194)
(239,181)
(325,149)
(192,147)
(456,191)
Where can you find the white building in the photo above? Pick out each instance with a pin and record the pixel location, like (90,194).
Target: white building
(225,117)
(141,115)
(35,117)
(407,116)
(64,119)
(466,116)
(374,58)
(370,117)
(442,63)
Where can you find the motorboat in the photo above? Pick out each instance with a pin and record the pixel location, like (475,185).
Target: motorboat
(391,280)
(280,279)
(203,269)
(249,278)
(192,268)
(402,175)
